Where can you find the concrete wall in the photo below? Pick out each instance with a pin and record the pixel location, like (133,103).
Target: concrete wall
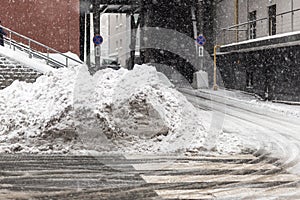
(53,23)
(11,71)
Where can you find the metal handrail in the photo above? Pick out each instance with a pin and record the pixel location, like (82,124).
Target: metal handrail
(36,54)
(31,51)
(238,27)
(261,19)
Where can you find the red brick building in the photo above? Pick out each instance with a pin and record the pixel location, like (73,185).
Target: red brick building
(54,23)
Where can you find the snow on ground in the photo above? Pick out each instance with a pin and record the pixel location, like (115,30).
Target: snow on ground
(62,59)
(264,38)
(68,110)
(250,101)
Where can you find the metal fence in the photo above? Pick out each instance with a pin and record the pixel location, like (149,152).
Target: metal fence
(285,22)
(17,41)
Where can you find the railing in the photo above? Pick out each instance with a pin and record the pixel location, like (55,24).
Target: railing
(34,49)
(285,22)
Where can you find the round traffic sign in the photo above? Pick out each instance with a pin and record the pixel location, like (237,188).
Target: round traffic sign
(201,40)
(98,39)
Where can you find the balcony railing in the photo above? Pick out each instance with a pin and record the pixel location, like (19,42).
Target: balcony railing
(286,22)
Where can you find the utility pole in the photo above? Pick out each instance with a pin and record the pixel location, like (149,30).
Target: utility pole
(132,45)
(142,31)
(96,20)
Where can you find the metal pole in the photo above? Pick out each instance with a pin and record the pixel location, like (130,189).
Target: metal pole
(132,45)
(67,62)
(195,26)
(88,40)
(10,39)
(215,87)
(96,20)
(47,56)
(29,44)
(142,31)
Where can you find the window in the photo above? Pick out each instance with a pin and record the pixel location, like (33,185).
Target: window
(252,25)
(272,20)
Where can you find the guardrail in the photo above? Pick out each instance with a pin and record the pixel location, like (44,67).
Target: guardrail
(285,22)
(34,49)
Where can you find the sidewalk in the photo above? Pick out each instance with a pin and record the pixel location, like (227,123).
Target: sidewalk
(245,101)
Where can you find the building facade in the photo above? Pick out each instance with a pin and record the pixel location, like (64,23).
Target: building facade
(119,37)
(53,23)
(274,17)
(260,42)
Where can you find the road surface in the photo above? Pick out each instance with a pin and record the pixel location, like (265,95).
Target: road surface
(275,133)
(144,177)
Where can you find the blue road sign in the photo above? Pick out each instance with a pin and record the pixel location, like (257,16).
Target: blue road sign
(201,40)
(98,39)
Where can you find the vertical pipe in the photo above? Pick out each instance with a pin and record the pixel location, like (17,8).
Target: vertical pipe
(142,31)
(215,87)
(69,19)
(133,42)
(292,19)
(248,19)
(236,20)
(82,30)
(88,40)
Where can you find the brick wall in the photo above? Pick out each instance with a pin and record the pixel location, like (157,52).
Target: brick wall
(11,71)
(54,23)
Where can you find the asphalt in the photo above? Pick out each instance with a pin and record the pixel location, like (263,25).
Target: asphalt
(142,177)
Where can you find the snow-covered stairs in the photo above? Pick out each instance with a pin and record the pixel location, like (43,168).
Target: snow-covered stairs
(11,71)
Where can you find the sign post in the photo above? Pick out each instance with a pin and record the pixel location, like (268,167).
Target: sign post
(98,40)
(201,40)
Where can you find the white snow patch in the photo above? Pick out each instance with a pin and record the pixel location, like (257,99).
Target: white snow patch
(263,38)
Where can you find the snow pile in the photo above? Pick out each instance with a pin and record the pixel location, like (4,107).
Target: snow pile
(126,111)
(35,117)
